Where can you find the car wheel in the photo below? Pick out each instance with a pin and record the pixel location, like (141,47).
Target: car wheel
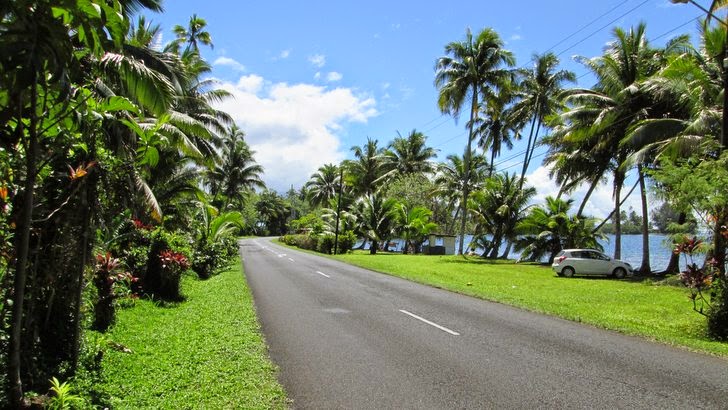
(619,273)
(567,272)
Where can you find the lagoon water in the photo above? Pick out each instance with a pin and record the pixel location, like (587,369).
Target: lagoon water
(660,250)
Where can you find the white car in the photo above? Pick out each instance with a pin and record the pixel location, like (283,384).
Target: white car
(570,262)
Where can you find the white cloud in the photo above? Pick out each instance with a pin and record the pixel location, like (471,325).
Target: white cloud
(334,76)
(227,61)
(600,203)
(250,83)
(294,128)
(516,37)
(284,54)
(318,60)
(317,76)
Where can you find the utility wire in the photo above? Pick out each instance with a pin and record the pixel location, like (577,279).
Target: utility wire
(582,28)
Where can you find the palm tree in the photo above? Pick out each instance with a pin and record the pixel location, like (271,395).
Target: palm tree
(497,209)
(450,180)
(614,104)
(237,172)
(548,229)
(374,218)
(472,68)
(193,34)
(366,170)
(689,89)
(323,185)
(496,127)
(540,90)
(413,225)
(408,155)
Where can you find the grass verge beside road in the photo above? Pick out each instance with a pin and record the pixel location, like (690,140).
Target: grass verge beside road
(659,312)
(206,352)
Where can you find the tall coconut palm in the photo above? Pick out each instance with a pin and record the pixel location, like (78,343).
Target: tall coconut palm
(495,125)
(614,103)
(365,170)
(408,155)
(539,91)
(472,68)
(237,172)
(323,185)
(193,35)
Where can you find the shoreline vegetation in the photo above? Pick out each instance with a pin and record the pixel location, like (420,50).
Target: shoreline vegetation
(658,310)
(207,352)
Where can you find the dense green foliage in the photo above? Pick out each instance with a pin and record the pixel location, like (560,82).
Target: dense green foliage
(106,143)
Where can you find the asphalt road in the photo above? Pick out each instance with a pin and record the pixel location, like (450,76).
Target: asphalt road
(349,338)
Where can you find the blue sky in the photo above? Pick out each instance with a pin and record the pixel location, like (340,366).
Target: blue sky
(313,78)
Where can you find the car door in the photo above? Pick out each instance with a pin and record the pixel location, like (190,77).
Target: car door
(599,263)
(578,261)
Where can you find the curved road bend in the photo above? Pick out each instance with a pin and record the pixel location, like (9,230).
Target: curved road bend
(346,337)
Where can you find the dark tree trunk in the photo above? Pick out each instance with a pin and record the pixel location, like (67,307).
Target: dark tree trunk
(674,265)
(466,181)
(22,248)
(618,181)
(645,268)
(373,248)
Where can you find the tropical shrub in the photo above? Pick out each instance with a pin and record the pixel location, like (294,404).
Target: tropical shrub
(548,229)
(164,267)
(326,243)
(110,283)
(346,241)
(707,286)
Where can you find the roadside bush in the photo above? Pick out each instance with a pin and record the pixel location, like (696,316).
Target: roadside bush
(164,267)
(111,283)
(326,243)
(346,241)
(321,243)
(210,257)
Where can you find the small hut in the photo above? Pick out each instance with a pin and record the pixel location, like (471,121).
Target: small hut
(440,244)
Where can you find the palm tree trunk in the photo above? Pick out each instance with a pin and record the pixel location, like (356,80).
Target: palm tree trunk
(466,181)
(23,247)
(618,182)
(507,252)
(590,192)
(373,248)
(588,195)
(645,268)
(673,265)
(535,141)
(528,149)
(605,220)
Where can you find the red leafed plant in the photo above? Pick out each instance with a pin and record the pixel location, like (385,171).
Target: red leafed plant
(697,279)
(174,261)
(107,274)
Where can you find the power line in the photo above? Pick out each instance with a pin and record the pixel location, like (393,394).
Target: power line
(582,28)
(602,28)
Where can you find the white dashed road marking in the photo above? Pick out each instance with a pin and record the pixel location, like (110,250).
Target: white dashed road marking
(443,328)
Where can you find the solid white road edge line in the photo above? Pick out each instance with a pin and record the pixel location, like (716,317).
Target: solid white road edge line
(323,274)
(443,328)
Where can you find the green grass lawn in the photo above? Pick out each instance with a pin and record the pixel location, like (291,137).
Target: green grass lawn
(206,352)
(659,312)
